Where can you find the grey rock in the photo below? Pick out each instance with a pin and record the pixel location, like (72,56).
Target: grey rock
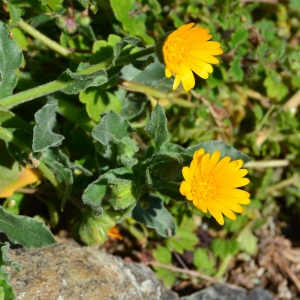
(64,272)
(225,292)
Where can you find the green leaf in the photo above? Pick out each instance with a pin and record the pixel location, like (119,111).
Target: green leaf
(15,14)
(154,215)
(25,231)
(98,102)
(203,262)
(14,203)
(92,230)
(157,126)
(100,189)
(124,193)
(247,241)
(136,42)
(112,127)
(238,37)
(10,59)
(6,290)
(212,146)
(164,256)
(153,75)
(56,162)
(127,147)
(236,70)
(45,122)
(168,188)
(221,248)
(79,81)
(184,240)
(275,88)
(131,22)
(5,260)
(165,165)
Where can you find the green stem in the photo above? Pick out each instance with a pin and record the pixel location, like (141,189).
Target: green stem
(31,94)
(223,267)
(49,175)
(54,86)
(48,42)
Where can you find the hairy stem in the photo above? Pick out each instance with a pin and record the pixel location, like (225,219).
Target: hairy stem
(54,86)
(48,42)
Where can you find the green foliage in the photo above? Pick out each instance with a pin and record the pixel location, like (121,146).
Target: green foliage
(154,215)
(92,230)
(11,59)
(157,127)
(45,121)
(222,248)
(112,142)
(6,290)
(203,262)
(99,102)
(163,256)
(133,23)
(17,228)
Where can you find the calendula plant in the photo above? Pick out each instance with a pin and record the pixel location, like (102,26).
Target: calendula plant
(96,133)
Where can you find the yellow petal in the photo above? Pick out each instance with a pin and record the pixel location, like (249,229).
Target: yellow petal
(197,62)
(225,211)
(186,173)
(197,35)
(184,188)
(198,153)
(204,162)
(205,57)
(220,165)
(215,212)
(193,166)
(239,164)
(231,205)
(233,193)
(189,195)
(168,72)
(208,51)
(176,82)
(195,68)
(200,204)
(234,183)
(213,161)
(206,45)
(187,77)
(181,30)
(233,175)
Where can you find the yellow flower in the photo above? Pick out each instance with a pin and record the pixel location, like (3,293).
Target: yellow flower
(212,184)
(187,49)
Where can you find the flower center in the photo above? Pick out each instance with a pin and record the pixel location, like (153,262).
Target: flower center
(176,50)
(203,187)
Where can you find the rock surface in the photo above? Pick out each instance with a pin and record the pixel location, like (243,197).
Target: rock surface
(225,292)
(64,272)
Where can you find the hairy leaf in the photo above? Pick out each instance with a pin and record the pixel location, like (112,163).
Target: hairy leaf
(112,127)
(157,126)
(212,146)
(10,60)
(25,231)
(43,135)
(79,81)
(154,215)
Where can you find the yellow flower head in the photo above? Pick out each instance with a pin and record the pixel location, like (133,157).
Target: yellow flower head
(188,49)
(212,184)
